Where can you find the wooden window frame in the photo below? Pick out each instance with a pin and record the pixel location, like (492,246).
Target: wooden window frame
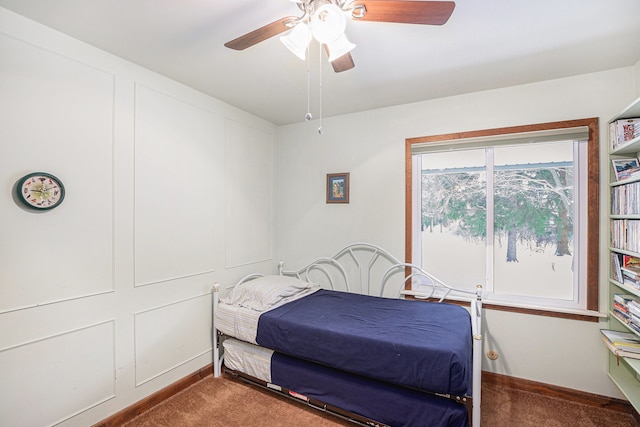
(593,205)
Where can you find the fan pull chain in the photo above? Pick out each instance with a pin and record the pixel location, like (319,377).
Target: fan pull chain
(320,130)
(308,116)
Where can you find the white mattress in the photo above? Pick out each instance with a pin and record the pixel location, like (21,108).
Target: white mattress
(236,321)
(248,358)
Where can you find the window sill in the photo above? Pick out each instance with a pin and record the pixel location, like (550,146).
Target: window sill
(582,315)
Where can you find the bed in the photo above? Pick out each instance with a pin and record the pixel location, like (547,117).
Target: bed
(345,334)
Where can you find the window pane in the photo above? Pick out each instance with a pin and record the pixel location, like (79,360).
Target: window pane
(453,217)
(541,195)
(533,220)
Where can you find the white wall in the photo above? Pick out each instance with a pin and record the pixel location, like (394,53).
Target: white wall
(106,299)
(371,146)
(637,78)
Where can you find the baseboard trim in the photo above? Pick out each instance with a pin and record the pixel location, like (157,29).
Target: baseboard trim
(149,402)
(569,394)
(572,395)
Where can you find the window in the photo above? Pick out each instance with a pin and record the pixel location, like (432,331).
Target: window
(512,209)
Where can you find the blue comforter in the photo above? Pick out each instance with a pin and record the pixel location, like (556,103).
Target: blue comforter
(416,344)
(380,401)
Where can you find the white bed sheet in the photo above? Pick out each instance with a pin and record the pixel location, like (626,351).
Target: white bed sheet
(237,321)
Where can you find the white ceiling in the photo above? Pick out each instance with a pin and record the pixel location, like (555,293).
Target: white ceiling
(486,44)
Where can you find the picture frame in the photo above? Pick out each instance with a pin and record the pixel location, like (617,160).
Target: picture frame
(625,168)
(338,187)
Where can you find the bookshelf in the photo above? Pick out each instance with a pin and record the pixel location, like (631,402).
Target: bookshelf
(624,236)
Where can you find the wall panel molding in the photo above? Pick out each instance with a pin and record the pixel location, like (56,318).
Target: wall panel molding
(57,379)
(60,111)
(171,279)
(249,198)
(171,335)
(175,190)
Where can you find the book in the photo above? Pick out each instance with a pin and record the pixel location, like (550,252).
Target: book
(631,266)
(615,267)
(634,310)
(625,341)
(621,308)
(630,261)
(623,130)
(618,352)
(631,283)
(623,299)
(628,274)
(634,321)
(628,129)
(623,316)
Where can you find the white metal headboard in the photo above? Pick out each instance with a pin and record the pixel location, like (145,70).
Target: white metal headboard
(368,269)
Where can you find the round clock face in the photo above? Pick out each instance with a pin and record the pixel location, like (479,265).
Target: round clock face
(40,191)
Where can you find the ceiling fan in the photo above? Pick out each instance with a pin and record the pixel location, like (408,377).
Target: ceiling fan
(325,21)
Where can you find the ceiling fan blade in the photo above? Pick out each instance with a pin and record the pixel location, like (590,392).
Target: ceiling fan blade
(261,34)
(406,11)
(343,63)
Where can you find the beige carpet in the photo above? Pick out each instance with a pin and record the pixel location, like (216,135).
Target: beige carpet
(227,402)
(503,407)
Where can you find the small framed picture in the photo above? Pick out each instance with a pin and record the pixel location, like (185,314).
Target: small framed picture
(625,168)
(338,188)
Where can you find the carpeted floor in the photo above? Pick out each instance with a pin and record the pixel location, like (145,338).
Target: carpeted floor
(227,402)
(502,407)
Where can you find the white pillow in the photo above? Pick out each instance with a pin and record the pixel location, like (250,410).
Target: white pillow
(268,292)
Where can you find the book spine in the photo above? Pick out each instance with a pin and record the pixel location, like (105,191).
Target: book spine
(625,234)
(625,199)
(623,130)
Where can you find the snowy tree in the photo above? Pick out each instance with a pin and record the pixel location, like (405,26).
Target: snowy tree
(531,204)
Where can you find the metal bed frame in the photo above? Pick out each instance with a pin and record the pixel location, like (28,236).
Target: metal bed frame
(352,269)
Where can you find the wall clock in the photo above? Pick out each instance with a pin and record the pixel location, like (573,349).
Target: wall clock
(40,191)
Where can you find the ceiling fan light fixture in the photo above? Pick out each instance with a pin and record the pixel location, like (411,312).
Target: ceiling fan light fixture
(298,40)
(328,23)
(339,48)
